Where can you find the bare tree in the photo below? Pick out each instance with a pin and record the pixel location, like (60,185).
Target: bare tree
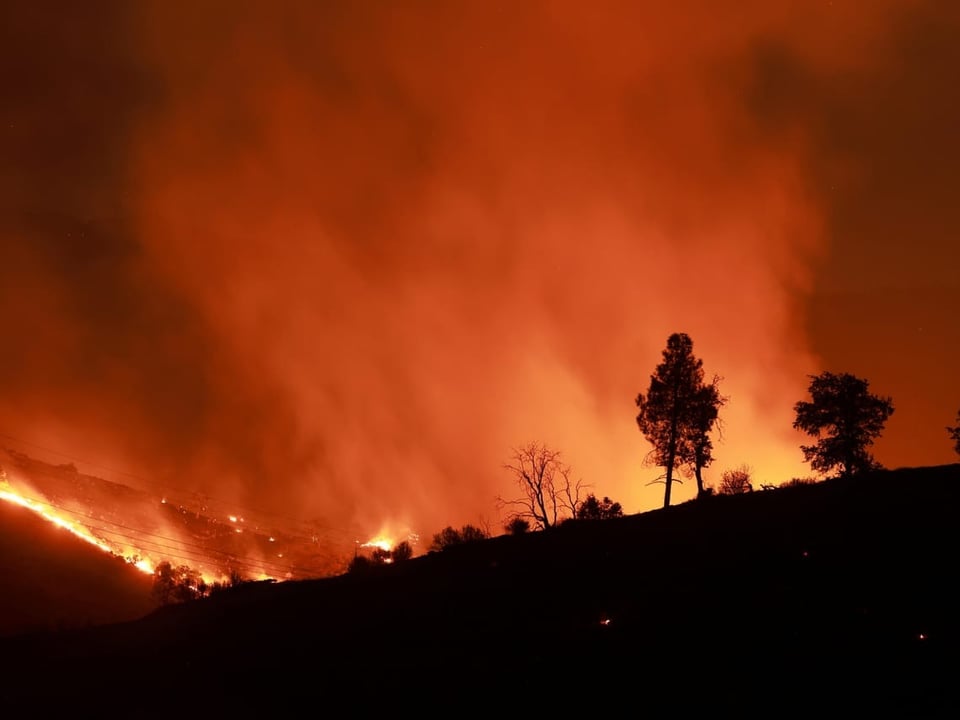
(549,494)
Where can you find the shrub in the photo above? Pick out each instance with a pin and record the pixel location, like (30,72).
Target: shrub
(176,584)
(517,526)
(402,552)
(450,536)
(593,509)
(736,482)
(793,482)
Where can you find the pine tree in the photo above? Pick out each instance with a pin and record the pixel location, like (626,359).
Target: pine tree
(678,412)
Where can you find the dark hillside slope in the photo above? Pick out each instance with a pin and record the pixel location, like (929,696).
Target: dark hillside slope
(51,579)
(833,598)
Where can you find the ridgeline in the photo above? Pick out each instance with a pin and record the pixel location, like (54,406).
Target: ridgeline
(830,598)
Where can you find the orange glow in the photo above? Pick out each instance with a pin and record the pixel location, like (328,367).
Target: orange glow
(330,262)
(129,525)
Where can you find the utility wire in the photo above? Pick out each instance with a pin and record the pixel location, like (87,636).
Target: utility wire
(195,497)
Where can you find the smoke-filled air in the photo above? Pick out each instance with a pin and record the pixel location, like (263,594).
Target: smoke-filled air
(333,261)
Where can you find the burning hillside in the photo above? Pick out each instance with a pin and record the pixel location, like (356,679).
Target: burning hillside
(147,528)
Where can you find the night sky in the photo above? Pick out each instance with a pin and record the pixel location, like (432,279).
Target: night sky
(333,260)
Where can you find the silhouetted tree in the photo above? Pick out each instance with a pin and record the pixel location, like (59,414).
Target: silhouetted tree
(736,481)
(471,533)
(845,418)
(593,509)
(678,412)
(176,584)
(704,416)
(549,493)
(605,509)
(517,526)
(955,434)
(403,551)
(450,536)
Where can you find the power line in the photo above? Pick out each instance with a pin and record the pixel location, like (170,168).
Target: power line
(204,552)
(195,495)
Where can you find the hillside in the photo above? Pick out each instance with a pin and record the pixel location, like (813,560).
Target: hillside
(53,580)
(832,598)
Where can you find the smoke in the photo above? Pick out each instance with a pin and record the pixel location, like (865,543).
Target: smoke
(356,252)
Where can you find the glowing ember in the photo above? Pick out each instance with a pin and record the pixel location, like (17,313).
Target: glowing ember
(10,495)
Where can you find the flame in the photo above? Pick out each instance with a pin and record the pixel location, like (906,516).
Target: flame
(384,543)
(8,494)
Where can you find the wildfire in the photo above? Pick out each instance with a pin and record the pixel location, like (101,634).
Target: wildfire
(8,494)
(384,543)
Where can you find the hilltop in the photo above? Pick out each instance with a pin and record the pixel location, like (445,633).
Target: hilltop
(834,597)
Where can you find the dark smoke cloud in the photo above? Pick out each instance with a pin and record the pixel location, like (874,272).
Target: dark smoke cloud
(335,259)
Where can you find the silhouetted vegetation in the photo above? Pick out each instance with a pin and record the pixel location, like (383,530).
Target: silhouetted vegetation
(793,482)
(678,413)
(955,434)
(235,579)
(176,584)
(517,526)
(593,509)
(402,552)
(549,494)
(837,594)
(450,536)
(735,481)
(845,418)
(360,563)
(380,557)
(704,416)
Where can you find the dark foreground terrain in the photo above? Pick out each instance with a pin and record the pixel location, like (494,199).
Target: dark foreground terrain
(832,600)
(50,579)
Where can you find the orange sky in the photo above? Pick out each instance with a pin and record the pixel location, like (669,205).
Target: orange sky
(335,260)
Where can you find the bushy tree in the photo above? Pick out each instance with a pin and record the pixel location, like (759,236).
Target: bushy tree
(176,584)
(678,412)
(593,509)
(402,552)
(736,481)
(517,526)
(471,533)
(548,491)
(955,434)
(845,418)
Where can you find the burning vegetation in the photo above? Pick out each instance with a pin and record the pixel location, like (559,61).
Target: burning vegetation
(188,547)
